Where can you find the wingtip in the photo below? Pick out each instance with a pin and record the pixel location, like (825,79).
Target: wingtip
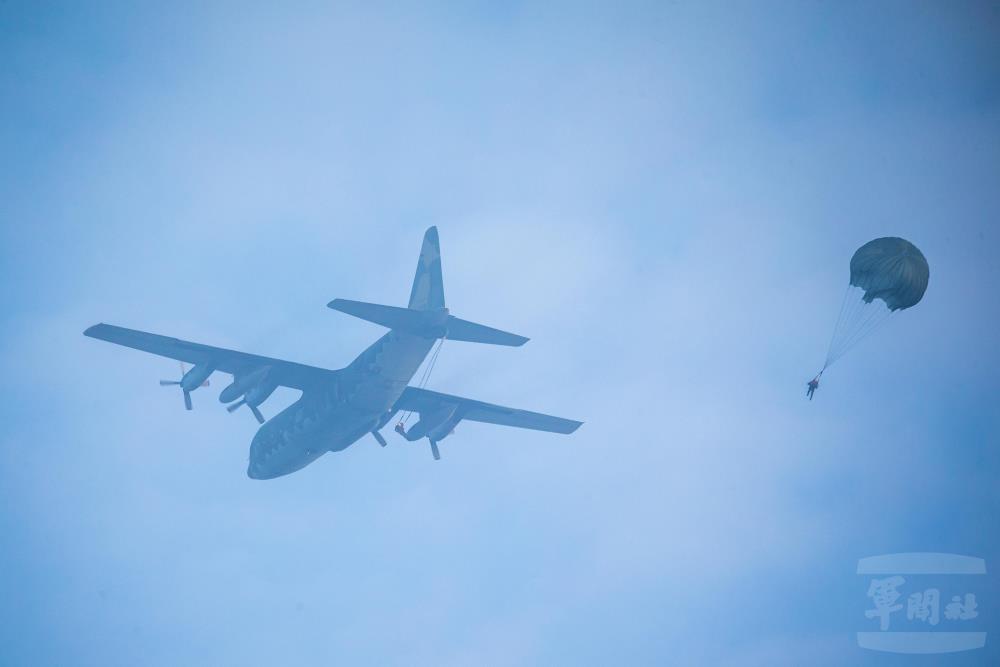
(93,329)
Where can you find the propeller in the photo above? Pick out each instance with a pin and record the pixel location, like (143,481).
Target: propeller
(180,383)
(253,408)
(255,388)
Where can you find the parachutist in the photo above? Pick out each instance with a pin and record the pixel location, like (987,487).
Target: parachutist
(400,429)
(812,384)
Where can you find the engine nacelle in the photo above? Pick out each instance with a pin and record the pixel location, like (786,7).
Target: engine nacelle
(434,425)
(242,384)
(255,387)
(195,377)
(258,393)
(444,429)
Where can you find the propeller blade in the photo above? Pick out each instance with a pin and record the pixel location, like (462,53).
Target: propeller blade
(381,440)
(187,399)
(434,451)
(256,413)
(168,383)
(236,406)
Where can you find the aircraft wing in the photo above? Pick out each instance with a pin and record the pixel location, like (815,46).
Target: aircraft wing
(285,373)
(426,401)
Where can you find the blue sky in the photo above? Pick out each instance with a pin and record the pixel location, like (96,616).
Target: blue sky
(664,197)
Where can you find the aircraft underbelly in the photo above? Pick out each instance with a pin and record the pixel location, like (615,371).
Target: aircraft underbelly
(299,435)
(375,380)
(332,420)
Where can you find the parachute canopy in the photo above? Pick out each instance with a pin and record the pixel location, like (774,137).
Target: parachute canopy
(891,269)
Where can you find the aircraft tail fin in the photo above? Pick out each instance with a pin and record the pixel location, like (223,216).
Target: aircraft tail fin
(426,314)
(427,292)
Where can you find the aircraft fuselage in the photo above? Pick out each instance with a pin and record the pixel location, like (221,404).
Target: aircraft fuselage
(335,417)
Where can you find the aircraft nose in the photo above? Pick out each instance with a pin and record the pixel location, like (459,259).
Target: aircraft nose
(256,468)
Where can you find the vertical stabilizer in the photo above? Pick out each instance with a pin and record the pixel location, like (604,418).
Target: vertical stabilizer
(428,286)
(426,315)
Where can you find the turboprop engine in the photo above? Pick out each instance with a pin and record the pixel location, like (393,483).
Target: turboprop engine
(254,387)
(191,380)
(435,426)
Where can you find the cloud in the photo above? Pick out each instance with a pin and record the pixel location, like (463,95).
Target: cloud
(665,201)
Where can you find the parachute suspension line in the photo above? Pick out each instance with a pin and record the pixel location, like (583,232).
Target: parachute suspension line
(430,367)
(866,324)
(851,309)
(843,335)
(836,328)
(873,322)
(857,320)
(853,324)
(425,377)
(861,325)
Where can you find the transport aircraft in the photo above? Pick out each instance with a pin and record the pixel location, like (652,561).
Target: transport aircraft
(338,407)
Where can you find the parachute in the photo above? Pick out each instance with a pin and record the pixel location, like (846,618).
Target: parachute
(887,275)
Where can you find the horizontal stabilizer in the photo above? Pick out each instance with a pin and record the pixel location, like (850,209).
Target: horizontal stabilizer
(478,333)
(391,317)
(428,323)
